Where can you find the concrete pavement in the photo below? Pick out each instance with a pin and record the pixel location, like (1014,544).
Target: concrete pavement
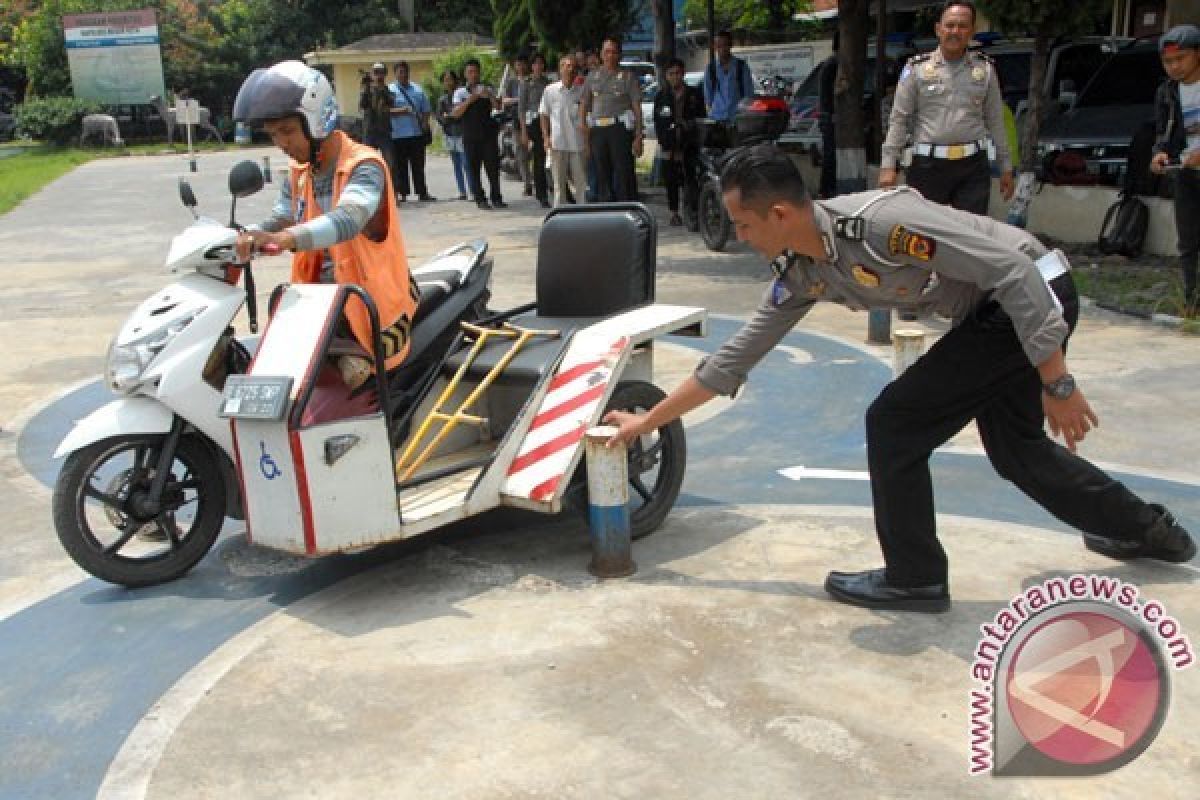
(484,662)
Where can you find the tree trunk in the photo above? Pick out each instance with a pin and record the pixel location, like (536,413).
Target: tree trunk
(664,37)
(1018,212)
(848,94)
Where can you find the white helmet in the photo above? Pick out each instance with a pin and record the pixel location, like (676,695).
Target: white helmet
(286,89)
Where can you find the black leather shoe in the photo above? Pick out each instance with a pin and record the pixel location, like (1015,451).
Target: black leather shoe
(427,198)
(484,205)
(870,589)
(499,204)
(1165,540)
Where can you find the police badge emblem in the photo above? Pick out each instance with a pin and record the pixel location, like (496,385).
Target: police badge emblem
(902,241)
(978,73)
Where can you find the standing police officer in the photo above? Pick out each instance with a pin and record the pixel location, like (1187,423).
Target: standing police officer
(949,101)
(613,133)
(1001,365)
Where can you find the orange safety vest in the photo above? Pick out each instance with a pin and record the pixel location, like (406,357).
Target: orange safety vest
(373,259)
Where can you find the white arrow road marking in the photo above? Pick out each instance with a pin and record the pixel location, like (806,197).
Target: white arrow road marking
(802,472)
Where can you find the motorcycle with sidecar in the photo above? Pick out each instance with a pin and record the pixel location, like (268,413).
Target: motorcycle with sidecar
(488,409)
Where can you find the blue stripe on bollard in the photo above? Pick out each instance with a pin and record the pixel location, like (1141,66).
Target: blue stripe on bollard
(608,510)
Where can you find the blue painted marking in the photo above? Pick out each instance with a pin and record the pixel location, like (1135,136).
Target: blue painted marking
(266,465)
(80,669)
(609,530)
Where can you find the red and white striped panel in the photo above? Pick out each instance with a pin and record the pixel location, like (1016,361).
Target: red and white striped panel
(571,404)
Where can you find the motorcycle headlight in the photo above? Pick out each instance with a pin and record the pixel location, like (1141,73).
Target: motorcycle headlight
(126,362)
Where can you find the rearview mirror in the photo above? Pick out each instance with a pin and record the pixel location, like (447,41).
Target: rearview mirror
(245,179)
(186,195)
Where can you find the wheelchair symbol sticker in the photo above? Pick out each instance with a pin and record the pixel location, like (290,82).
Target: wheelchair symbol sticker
(267,465)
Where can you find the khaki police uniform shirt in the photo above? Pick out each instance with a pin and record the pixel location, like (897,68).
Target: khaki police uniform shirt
(612,93)
(905,253)
(947,102)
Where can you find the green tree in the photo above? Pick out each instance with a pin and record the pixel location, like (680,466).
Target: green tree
(470,16)
(853,22)
(564,26)
(1047,21)
(773,15)
(512,27)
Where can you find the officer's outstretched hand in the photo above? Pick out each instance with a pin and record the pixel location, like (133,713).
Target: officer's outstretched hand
(1071,418)
(629,426)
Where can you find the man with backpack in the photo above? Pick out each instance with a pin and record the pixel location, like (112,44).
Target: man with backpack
(726,80)
(1177,114)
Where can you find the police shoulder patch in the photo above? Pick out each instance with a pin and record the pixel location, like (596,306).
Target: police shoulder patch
(903,242)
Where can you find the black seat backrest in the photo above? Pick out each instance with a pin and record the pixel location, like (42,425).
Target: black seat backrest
(597,259)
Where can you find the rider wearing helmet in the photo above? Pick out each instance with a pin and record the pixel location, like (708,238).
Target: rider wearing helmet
(336,211)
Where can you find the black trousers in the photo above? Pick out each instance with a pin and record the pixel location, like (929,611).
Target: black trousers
(537,157)
(1187,225)
(483,153)
(410,154)
(964,183)
(681,174)
(979,371)
(612,147)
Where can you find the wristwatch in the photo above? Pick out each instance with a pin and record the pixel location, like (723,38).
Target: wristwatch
(1060,388)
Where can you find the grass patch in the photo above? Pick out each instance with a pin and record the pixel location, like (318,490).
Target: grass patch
(26,172)
(32,166)
(1138,289)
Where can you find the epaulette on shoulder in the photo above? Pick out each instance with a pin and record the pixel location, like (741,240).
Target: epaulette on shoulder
(984,56)
(919,57)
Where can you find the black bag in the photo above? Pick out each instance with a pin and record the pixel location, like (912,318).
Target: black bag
(1124,229)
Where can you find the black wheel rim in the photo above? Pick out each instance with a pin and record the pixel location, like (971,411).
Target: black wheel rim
(113,509)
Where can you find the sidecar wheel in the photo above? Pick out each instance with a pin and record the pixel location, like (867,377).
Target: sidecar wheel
(656,463)
(714,222)
(106,525)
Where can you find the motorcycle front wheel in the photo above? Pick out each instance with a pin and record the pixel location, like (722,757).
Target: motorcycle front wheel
(714,222)
(110,525)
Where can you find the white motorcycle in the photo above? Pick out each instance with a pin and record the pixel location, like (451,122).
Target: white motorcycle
(207,425)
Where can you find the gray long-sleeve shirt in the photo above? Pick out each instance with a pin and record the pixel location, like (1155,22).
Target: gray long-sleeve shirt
(947,102)
(914,254)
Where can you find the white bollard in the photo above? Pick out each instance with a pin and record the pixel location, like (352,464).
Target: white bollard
(608,505)
(908,344)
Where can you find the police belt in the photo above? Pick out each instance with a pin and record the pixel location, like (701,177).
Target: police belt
(950,152)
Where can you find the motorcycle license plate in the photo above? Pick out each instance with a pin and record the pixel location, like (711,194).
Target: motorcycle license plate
(255,396)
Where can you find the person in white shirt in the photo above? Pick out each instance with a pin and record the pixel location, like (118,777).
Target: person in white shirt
(559,117)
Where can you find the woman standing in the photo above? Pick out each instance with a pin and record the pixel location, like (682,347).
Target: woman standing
(452,132)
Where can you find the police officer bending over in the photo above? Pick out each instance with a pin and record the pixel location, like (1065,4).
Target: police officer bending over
(1001,365)
(949,101)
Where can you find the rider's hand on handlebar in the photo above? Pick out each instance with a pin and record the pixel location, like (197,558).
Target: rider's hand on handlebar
(264,242)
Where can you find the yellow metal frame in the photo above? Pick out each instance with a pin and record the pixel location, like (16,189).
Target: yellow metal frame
(405,468)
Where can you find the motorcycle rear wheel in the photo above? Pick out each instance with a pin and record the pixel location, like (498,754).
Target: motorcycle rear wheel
(714,222)
(109,528)
(657,463)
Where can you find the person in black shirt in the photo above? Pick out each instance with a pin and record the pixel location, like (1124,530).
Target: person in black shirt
(676,107)
(474,104)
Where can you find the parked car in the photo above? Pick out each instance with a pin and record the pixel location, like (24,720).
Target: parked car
(804,132)
(1114,104)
